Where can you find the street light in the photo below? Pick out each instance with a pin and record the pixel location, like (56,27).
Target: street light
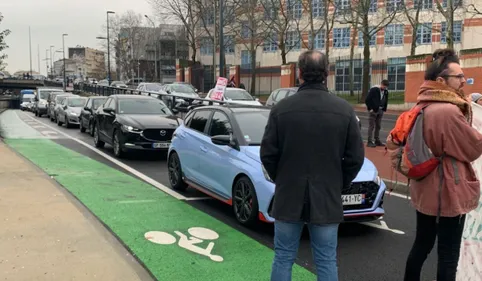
(63,51)
(108,47)
(51,62)
(155,48)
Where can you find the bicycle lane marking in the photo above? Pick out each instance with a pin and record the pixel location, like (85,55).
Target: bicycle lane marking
(204,248)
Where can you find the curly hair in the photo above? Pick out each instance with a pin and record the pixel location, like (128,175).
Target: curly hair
(441,59)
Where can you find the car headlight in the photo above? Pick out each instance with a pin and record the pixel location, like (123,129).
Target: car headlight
(265,173)
(42,102)
(378,180)
(72,113)
(131,129)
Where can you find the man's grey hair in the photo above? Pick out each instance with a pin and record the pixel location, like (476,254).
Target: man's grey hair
(313,66)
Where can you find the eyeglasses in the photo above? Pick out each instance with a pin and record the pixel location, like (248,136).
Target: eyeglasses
(459,76)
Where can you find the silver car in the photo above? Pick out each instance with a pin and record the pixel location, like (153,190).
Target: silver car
(69,110)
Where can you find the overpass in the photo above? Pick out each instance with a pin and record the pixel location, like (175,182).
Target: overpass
(10,90)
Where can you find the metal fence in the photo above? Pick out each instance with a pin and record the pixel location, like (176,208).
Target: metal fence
(266,79)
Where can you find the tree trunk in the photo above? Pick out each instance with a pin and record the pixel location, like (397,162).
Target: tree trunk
(282,47)
(413,45)
(253,69)
(352,54)
(366,70)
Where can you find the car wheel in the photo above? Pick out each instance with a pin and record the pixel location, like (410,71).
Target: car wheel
(117,145)
(67,123)
(81,126)
(58,121)
(91,128)
(245,201)
(97,141)
(175,172)
(36,113)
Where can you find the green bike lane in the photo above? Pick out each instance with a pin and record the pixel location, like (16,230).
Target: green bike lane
(172,239)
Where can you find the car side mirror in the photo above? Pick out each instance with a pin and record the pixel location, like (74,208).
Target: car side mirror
(109,110)
(86,108)
(225,140)
(65,107)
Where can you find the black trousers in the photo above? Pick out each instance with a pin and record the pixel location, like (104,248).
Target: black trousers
(374,123)
(449,233)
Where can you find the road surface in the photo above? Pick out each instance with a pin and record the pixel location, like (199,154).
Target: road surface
(373,251)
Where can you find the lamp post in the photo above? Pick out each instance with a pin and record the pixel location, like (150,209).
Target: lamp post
(221,39)
(63,51)
(108,47)
(51,62)
(155,48)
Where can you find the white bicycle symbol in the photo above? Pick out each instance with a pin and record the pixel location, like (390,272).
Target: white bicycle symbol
(198,235)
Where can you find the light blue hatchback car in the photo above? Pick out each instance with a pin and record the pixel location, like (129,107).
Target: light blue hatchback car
(216,150)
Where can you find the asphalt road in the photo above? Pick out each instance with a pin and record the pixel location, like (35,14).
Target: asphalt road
(388,122)
(367,252)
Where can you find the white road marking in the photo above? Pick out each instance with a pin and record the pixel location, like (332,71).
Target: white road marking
(138,174)
(383,225)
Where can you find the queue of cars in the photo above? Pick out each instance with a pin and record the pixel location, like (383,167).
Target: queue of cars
(215,149)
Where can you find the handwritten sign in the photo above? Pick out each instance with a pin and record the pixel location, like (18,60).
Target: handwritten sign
(218,92)
(470,262)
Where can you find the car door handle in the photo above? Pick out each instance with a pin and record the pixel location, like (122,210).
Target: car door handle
(203,148)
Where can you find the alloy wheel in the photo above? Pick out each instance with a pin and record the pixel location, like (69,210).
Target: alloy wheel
(174,170)
(243,201)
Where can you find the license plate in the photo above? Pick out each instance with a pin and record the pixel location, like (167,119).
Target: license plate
(353,199)
(160,145)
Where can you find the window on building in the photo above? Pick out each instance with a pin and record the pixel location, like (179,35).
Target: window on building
(423,4)
(270,10)
(271,44)
(245,31)
(293,41)
(318,8)
(424,33)
(341,37)
(245,59)
(396,73)
(457,32)
(373,38)
(295,8)
(209,17)
(229,44)
(342,75)
(456,3)
(206,46)
(319,43)
(394,34)
(373,6)
(342,5)
(394,5)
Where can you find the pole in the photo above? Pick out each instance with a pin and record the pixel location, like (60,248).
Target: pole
(155,45)
(108,50)
(51,63)
(63,52)
(47,61)
(214,45)
(30,49)
(221,39)
(38,57)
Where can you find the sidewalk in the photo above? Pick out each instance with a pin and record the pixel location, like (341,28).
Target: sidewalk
(47,235)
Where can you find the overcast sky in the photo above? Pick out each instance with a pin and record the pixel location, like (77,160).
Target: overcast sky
(49,19)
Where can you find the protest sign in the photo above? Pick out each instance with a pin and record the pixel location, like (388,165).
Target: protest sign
(218,93)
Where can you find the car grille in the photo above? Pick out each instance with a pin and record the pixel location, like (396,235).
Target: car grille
(370,189)
(155,134)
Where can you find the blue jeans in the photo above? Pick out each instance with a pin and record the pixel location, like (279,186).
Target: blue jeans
(324,241)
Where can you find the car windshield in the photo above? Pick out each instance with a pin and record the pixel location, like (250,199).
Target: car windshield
(143,106)
(77,102)
(27,99)
(97,102)
(237,94)
(44,95)
(252,125)
(153,87)
(181,88)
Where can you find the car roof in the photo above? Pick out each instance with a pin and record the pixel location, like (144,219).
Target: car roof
(235,108)
(75,97)
(98,97)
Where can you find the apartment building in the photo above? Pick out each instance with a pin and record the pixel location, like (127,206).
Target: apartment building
(389,46)
(90,62)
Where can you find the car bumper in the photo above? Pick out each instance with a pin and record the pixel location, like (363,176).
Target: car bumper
(359,215)
(135,141)
(73,119)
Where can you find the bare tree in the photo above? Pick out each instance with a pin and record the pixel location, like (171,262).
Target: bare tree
(249,30)
(184,11)
(413,16)
(448,9)
(370,19)
(320,20)
(283,19)
(3,45)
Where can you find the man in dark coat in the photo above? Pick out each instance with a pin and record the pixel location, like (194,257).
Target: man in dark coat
(377,103)
(311,149)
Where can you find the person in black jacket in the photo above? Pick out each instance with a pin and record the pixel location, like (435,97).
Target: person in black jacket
(311,149)
(377,103)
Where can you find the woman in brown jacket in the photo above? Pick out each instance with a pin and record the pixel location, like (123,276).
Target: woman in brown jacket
(447,129)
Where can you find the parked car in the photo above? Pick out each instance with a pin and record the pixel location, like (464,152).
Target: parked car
(280,94)
(87,113)
(52,102)
(237,96)
(216,150)
(69,110)
(55,105)
(134,122)
(143,88)
(186,91)
(27,99)
(41,99)
(118,84)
